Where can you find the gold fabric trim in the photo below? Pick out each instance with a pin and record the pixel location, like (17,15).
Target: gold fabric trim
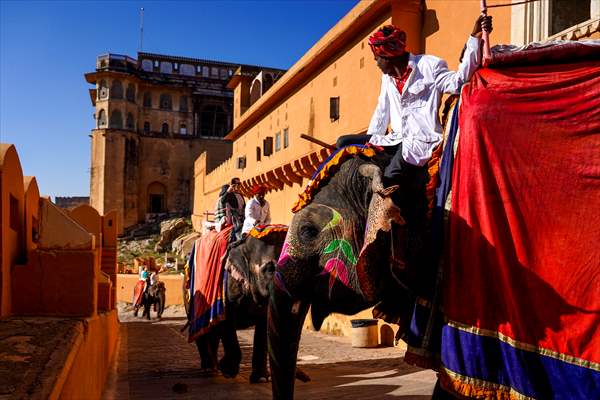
(525,346)
(475,384)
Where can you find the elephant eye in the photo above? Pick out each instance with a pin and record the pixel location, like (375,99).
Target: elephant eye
(308,232)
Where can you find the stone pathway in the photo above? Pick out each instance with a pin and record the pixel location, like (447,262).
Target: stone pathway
(154,356)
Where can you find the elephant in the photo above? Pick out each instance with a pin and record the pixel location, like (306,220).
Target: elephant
(339,256)
(154,295)
(249,268)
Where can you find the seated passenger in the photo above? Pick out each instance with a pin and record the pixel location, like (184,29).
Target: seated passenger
(257,210)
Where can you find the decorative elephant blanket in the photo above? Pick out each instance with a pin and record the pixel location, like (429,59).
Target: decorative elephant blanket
(206,266)
(522,272)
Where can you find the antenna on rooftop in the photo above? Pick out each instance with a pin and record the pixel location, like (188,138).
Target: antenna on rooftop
(141,29)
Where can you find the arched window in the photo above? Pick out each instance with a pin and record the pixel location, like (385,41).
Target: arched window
(147,65)
(147,127)
(157,198)
(166,67)
(165,102)
(213,121)
(164,129)
(116,90)
(102,119)
(116,120)
(187,69)
(147,99)
(267,82)
(182,129)
(130,123)
(130,93)
(255,91)
(183,104)
(102,90)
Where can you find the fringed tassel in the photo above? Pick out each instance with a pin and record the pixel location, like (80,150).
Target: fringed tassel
(327,169)
(477,389)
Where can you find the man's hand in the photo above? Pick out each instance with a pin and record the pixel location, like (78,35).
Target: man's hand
(483,23)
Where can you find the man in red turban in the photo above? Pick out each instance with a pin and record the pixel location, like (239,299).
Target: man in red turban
(257,210)
(411,90)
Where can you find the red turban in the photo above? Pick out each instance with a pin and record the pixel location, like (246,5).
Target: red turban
(259,189)
(388,42)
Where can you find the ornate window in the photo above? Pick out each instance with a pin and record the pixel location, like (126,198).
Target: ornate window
(255,91)
(213,121)
(164,129)
(182,129)
(130,93)
(116,90)
(147,99)
(147,65)
(166,67)
(146,127)
(187,69)
(130,124)
(537,21)
(183,104)
(278,141)
(116,120)
(286,138)
(102,90)
(165,102)
(102,119)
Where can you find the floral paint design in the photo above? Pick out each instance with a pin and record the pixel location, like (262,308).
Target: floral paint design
(340,249)
(336,269)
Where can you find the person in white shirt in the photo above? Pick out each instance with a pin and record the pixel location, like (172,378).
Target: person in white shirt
(257,210)
(411,90)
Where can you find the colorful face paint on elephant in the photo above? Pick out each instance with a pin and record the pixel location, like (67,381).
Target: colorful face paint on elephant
(337,253)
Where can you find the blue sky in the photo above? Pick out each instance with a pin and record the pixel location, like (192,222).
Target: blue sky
(46,47)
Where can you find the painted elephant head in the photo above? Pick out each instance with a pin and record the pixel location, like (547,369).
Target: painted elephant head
(336,258)
(251,266)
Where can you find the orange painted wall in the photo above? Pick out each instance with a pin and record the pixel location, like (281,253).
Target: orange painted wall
(56,282)
(12,243)
(85,376)
(448,24)
(173,284)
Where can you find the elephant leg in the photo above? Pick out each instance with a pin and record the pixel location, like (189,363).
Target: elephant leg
(230,363)
(208,351)
(260,373)
(161,305)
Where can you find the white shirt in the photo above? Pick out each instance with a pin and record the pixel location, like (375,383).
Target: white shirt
(413,114)
(256,215)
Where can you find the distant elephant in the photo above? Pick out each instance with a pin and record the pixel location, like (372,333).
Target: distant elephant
(338,256)
(154,295)
(249,266)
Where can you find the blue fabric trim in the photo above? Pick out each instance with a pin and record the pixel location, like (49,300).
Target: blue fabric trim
(531,374)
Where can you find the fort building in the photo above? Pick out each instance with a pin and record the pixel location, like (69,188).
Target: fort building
(154,115)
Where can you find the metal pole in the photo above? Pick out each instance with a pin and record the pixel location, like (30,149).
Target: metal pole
(487,54)
(141,29)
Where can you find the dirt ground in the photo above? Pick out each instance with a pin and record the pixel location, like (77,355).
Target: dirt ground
(156,362)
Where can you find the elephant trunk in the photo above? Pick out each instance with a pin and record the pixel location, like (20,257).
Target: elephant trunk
(285,319)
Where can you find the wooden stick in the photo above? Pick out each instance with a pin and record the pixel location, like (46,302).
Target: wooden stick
(487,54)
(317,141)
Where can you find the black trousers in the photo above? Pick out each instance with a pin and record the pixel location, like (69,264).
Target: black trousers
(397,167)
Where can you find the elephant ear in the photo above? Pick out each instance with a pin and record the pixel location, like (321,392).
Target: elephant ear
(375,254)
(237,266)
